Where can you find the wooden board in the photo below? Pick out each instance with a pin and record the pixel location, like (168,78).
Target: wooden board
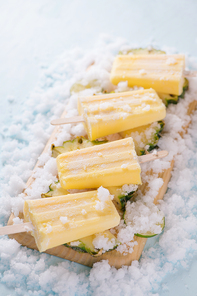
(115,258)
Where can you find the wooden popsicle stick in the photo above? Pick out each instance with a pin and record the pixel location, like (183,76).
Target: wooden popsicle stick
(74,119)
(190,73)
(16,228)
(152,156)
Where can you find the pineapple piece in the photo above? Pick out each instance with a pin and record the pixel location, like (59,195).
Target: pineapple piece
(121,196)
(55,189)
(168,99)
(77,143)
(142,51)
(145,137)
(173,99)
(185,88)
(86,244)
(80,86)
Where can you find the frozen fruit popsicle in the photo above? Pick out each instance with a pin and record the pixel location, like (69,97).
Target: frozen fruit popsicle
(62,219)
(164,73)
(113,113)
(111,164)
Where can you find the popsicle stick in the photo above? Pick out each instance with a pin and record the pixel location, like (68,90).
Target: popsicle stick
(74,119)
(16,228)
(152,156)
(190,73)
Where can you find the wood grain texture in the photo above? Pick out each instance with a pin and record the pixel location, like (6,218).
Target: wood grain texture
(74,119)
(16,228)
(115,258)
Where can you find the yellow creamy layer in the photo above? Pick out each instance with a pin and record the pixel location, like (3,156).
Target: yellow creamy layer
(164,73)
(113,113)
(111,164)
(61,219)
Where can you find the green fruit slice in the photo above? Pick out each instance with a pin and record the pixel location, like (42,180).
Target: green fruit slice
(149,234)
(142,51)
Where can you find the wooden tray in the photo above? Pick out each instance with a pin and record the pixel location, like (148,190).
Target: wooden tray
(115,258)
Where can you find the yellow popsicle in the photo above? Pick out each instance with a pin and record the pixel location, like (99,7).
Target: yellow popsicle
(111,164)
(113,113)
(164,73)
(62,219)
